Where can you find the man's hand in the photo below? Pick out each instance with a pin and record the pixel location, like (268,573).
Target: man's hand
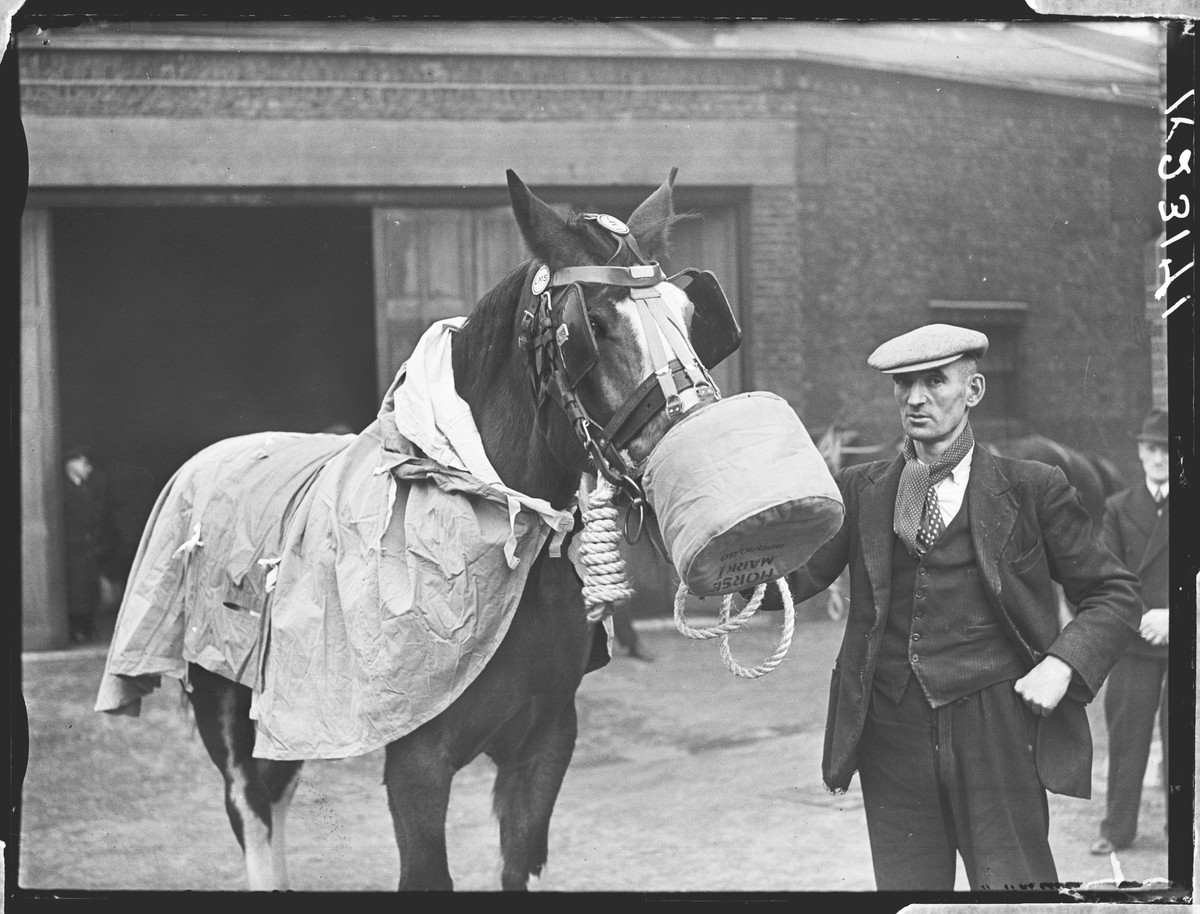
(1043,687)
(1154,626)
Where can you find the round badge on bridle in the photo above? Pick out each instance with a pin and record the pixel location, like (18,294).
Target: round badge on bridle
(541,279)
(613,224)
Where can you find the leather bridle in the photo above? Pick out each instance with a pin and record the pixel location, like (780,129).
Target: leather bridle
(551,330)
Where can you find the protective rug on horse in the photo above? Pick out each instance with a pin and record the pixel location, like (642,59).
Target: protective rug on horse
(358,588)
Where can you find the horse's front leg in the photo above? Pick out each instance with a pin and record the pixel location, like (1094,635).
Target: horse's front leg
(417,772)
(527,785)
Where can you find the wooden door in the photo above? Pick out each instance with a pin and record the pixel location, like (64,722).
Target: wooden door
(424,271)
(710,243)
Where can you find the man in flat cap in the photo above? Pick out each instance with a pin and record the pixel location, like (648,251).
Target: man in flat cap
(1135,529)
(955,694)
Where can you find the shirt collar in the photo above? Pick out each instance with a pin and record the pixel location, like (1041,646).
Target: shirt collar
(962,470)
(1154,490)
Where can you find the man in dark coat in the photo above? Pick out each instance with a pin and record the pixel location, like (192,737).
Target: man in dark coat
(88,533)
(1135,529)
(955,694)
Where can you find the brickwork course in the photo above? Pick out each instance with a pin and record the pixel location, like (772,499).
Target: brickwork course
(909,189)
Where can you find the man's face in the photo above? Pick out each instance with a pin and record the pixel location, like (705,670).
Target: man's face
(1154,461)
(934,402)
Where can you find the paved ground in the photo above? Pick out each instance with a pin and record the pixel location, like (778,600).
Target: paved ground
(685,778)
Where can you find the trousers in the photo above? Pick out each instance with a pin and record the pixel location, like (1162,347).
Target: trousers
(1135,693)
(957,779)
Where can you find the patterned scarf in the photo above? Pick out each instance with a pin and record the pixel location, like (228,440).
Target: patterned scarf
(918,518)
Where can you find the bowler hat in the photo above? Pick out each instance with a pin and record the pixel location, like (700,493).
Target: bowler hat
(1154,427)
(927,347)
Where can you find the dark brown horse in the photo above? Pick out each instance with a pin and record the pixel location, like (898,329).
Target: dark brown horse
(541,431)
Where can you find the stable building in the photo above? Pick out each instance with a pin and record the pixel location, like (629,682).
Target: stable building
(236,227)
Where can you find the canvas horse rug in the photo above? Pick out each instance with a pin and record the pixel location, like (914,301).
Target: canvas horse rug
(357,583)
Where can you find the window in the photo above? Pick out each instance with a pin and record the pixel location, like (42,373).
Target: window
(1001,414)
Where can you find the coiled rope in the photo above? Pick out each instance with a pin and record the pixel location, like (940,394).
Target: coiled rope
(605,582)
(726,625)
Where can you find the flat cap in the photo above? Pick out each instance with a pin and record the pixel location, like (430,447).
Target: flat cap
(927,347)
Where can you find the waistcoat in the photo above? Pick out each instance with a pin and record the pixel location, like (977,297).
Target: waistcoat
(940,626)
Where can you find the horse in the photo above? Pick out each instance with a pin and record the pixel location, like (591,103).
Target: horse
(558,387)
(1093,476)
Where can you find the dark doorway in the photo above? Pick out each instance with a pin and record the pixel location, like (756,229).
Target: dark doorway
(179,326)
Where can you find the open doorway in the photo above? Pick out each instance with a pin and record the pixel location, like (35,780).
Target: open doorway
(180,326)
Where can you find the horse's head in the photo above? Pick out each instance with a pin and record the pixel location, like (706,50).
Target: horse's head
(617,351)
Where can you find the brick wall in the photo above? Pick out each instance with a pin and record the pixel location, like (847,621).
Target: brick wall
(938,191)
(909,189)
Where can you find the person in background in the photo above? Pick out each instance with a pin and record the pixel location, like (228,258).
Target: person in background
(88,534)
(955,696)
(626,635)
(1136,523)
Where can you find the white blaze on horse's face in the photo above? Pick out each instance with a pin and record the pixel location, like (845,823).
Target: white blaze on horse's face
(678,309)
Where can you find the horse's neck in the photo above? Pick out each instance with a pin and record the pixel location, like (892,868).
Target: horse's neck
(523,457)
(520,449)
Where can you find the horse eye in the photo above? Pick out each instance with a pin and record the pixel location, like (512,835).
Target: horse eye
(597,327)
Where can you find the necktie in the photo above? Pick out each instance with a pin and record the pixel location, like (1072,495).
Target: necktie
(918,517)
(932,522)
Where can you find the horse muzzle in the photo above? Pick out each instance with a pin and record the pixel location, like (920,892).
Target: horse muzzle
(741,494)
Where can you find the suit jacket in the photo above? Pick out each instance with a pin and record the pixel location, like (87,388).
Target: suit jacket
(1028,526)
(1137,536)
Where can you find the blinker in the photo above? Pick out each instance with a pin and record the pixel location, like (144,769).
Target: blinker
(714,332)
(573,336)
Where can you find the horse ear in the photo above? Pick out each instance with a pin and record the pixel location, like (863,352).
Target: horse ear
(651,221)
(545,231)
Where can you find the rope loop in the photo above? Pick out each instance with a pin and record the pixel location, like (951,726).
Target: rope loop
(727,625)
(605,581)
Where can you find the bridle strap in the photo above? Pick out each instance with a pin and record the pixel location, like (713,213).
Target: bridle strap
(636,276)
(674,336)
(630,242)
(641,406)
(658,354)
